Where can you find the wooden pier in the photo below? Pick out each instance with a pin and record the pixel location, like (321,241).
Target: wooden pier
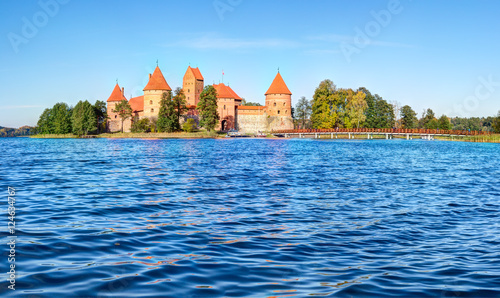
(368,133)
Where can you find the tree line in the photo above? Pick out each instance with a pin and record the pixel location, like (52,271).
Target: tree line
(333,107)
(82,119)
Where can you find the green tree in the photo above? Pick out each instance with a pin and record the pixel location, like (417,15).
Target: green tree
(84,119)
(324,108)
(61,118)
(426,120)
(303,111)
(444,123)
(124,110)
(140,125)
(408,117)
(379,113)
(496,123)
(101,115)
(189,125)
(45,125)
(207,108)
(179,101)
(167,117)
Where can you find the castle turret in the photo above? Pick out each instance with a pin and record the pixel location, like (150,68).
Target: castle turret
(193,84)
(114,123)
(153,91)
(279,98)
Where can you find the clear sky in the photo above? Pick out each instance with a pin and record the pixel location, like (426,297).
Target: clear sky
(436,54)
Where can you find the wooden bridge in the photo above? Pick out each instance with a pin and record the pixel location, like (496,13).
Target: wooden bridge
(368,133)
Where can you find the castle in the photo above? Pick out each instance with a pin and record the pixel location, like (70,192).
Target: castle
(275,115)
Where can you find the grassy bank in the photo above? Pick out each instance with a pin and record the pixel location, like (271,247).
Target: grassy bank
(53,136)
(494,138)
(130,135)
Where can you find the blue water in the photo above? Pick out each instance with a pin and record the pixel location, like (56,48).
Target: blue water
(252,218)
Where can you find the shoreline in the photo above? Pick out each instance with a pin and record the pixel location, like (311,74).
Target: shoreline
(494,139)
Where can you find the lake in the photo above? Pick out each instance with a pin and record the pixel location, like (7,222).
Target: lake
(252,217)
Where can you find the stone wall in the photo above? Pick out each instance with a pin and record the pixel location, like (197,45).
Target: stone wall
(251,123)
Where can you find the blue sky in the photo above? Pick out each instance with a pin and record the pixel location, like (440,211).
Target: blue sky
(442,55)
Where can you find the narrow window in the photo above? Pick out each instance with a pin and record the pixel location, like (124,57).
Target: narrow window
(152,110)
(224,107)
(150,102)
(274,104)
(278,112)
(116,116)
(283,104)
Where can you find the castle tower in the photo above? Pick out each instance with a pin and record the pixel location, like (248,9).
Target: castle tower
(279,98)
(153,92)
(227,103)
(114,123)
(193,84)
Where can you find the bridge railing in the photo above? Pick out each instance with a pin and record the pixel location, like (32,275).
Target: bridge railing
(386,130)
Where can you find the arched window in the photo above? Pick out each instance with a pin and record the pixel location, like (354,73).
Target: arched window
(284,104)
(116,116)
(189,90)
(224,107)
(150,102)
(152,110)
(278,112)
(274,104)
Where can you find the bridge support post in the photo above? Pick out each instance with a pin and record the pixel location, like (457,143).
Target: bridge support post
(336,136)
(349,136)
(331,135)
(407,137)
(386,136)
(315,135)
(300,136)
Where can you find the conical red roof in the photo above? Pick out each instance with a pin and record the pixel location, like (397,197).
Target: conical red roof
(278,86)
(117,94)
(157,82)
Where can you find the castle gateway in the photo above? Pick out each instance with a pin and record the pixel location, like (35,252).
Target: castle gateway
(275,115)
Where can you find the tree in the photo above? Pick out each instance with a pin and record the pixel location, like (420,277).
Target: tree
(355,109)
(179,102)
(444,123)
(140,125)
(303,111)
(101,115)
(44,125)
(83,118)
(426,120)
(124,110)
(496,123)
(379,113)
(167,117)
(189,125)
(61,118)
(323,113)
(207,108)
(408,117)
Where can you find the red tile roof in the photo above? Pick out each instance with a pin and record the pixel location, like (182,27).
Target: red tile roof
(196,72)
(157,82)
(117,94)
(278,86)
(224,91)
(137,103)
